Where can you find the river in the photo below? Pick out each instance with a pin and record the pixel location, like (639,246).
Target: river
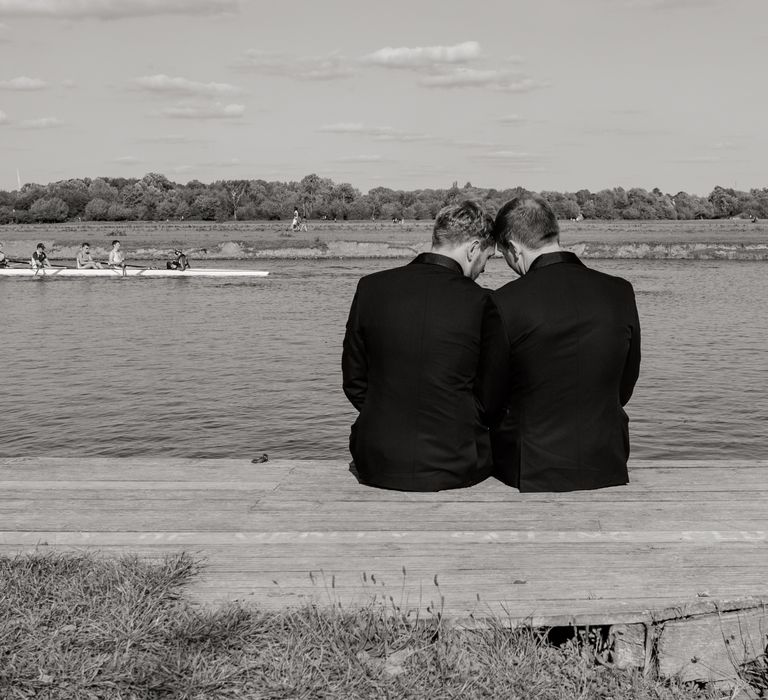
(214,368)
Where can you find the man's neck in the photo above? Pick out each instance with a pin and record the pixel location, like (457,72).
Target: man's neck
(528,255)
(456,254)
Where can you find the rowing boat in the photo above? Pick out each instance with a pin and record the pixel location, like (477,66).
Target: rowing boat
(129,272)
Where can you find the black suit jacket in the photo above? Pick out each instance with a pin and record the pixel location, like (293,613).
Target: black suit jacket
(573,360)
(414,345)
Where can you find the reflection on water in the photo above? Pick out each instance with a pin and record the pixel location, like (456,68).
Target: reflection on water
(209,368)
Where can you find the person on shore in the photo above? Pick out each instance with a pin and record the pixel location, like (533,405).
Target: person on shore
(3,259)
(179,263)
(116,257)
(84,261)
(415,366)
(295,222)
(573,349)
(39,258)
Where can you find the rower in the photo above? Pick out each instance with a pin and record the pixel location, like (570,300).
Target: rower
(116,257)
(39,258)
(3,259)
(84,261)
(180,263)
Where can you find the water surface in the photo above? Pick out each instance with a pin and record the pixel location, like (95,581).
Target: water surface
(216,368)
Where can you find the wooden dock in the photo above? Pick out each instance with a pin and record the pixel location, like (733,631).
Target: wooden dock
(676,562)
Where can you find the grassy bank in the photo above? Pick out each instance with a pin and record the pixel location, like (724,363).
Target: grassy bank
(661,240)
(81,626)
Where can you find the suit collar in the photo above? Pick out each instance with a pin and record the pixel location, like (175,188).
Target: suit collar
(437,259)
(561,256)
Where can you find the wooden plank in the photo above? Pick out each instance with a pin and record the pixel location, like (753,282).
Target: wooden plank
(377,538)
(712,647)
(681,536)
(89,487)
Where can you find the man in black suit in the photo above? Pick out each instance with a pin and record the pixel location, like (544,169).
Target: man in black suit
(573,354)
(415,341)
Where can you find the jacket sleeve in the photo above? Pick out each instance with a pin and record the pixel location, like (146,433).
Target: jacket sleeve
(493,370)
(632,364)
(354,363)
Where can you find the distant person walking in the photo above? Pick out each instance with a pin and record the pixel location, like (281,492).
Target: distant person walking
(84,261)
(573,349)
(414,365)
(39,258)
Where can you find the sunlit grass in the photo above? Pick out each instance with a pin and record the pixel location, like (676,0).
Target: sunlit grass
(83,626)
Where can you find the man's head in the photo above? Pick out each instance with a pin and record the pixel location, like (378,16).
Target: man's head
(115,244)
(464,232)
(85,247)
(40,247)
(525,227)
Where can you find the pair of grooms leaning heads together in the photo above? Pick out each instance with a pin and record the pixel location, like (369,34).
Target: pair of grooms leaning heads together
(454,382)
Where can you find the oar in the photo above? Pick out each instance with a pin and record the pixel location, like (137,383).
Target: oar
(140,267)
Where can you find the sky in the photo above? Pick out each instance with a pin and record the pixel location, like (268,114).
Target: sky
(544,94)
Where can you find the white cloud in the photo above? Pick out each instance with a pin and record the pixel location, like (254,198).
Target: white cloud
(69,84)
(3,117)
(215,111)
(41,123)
(378,133)
(669,4)
(113,9)
(127,160)
(182,168)
(320,68)
(170,138)
(512,119)
(23,83)
(226,163)
(424,57)
(363,158)
(461,143)
(502,81)
(505,155)
(165,84)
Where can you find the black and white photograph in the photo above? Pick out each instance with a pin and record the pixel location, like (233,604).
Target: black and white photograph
(383,350)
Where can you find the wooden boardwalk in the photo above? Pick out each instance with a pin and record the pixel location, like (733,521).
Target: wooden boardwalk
(685,537)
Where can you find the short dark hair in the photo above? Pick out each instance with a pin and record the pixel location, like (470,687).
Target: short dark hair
(115,241)
(528,220)
(82,245)
(458,223)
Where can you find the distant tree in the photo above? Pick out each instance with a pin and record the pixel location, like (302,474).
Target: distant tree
(120,212)
(100,189)
(28,195)
(49,210)
(6,214)
(97,210)
(724,202)
(75,193)
(235,190)
(206,207)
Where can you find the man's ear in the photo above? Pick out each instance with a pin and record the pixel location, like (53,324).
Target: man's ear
(473,249)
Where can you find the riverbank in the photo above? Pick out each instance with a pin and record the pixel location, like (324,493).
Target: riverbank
(303,544)
(151,241)
(81,625)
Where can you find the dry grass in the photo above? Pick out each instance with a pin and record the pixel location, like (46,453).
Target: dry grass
(81,626)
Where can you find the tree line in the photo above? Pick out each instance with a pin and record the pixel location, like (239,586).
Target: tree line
(156,198)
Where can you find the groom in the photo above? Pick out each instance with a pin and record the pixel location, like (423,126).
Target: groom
(416,362)
(573,354)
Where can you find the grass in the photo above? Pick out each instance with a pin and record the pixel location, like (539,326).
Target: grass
(82,626)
